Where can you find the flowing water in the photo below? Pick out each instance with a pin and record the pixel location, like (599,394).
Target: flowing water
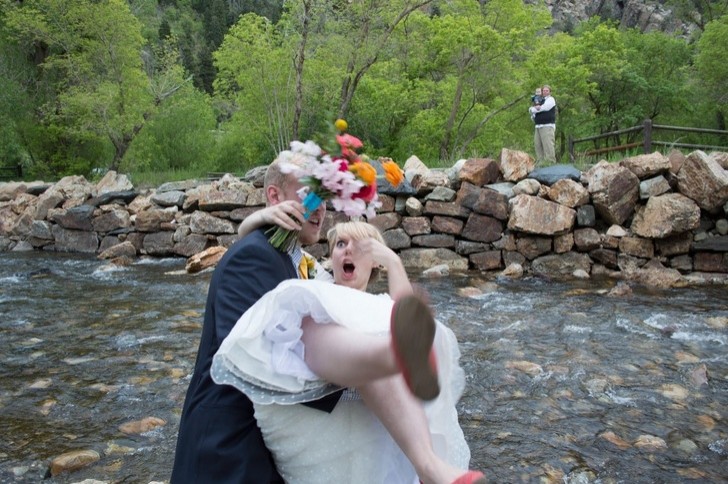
(565,383)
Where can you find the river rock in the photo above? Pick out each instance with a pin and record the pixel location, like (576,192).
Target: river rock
(614,439)
(674,392)
(650,442)
(72,461)
(699,376)
(205,259)
(75,240)
(140,426)
(123,249)
(528,367)
(513,270)
(561,265)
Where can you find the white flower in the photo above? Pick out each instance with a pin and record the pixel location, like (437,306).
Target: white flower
(309,148)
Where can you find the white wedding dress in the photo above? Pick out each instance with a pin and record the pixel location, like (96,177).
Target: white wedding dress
(263,358)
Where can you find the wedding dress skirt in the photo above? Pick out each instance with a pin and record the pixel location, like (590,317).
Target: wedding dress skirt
(263,358)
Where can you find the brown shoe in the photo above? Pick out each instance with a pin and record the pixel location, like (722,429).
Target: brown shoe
(413,332)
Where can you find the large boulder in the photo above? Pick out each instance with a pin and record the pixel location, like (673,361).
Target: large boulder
(614,190)
(535,215)
(704,180)
(666,215)
(515,165)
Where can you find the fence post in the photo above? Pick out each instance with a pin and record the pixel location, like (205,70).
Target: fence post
(647,131)
(571,148)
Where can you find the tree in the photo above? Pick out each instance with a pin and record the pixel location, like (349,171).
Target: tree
(471,53)
(94,67)
(256,78)
(711,66)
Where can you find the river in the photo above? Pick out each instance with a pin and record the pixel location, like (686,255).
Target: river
(565,382)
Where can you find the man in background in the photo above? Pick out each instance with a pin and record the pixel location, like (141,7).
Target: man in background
(544,115)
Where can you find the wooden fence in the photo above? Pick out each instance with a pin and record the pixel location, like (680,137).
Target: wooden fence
(11,172)
(648,142)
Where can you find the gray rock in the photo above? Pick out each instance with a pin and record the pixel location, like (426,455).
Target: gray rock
(549,175)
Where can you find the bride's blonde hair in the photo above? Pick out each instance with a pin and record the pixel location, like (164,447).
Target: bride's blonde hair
(354,230)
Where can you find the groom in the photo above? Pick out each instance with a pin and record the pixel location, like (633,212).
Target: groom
(219,440)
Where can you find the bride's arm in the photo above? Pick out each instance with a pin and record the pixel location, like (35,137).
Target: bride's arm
(399,284)
(287,214)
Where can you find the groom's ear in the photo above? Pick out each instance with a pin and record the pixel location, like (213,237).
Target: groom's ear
(273,194)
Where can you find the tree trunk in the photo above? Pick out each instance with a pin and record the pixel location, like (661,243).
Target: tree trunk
(445,143)
(298,65)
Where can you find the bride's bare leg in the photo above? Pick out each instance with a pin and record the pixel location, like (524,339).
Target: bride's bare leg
(403,416)
(346,357)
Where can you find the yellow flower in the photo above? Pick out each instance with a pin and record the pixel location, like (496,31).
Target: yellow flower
(310,265)
(392,172)
(341,125)
(364,171)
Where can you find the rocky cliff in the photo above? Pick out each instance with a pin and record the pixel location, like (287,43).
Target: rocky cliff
(645,15)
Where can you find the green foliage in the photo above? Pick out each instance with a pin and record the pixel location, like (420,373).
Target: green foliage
(710,62)
(255,77)
(189,86)
(181,136)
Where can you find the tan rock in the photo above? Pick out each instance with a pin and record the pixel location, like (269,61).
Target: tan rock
(666,215)
(535,215)
(674,391)
(614,191)
(205,259)
(614,439)
(515,165)
(645,166)
(72,461)
(569,193)
(702,179)
(140,426)
(527,367)
(650,442)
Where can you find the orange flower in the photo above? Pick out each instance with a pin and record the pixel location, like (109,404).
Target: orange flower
(392,172)
(364,171)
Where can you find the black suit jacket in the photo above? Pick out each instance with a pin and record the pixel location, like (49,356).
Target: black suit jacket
(219,440)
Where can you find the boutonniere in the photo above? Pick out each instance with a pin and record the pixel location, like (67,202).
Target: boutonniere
(310,266)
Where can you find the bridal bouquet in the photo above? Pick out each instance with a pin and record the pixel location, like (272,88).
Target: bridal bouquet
(339,174)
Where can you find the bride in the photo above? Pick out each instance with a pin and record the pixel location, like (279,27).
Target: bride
(307,339)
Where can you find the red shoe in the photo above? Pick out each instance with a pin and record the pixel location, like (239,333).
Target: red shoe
(413,331)
(471,477)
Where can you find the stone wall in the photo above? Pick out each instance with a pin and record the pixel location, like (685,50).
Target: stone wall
(643,215)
